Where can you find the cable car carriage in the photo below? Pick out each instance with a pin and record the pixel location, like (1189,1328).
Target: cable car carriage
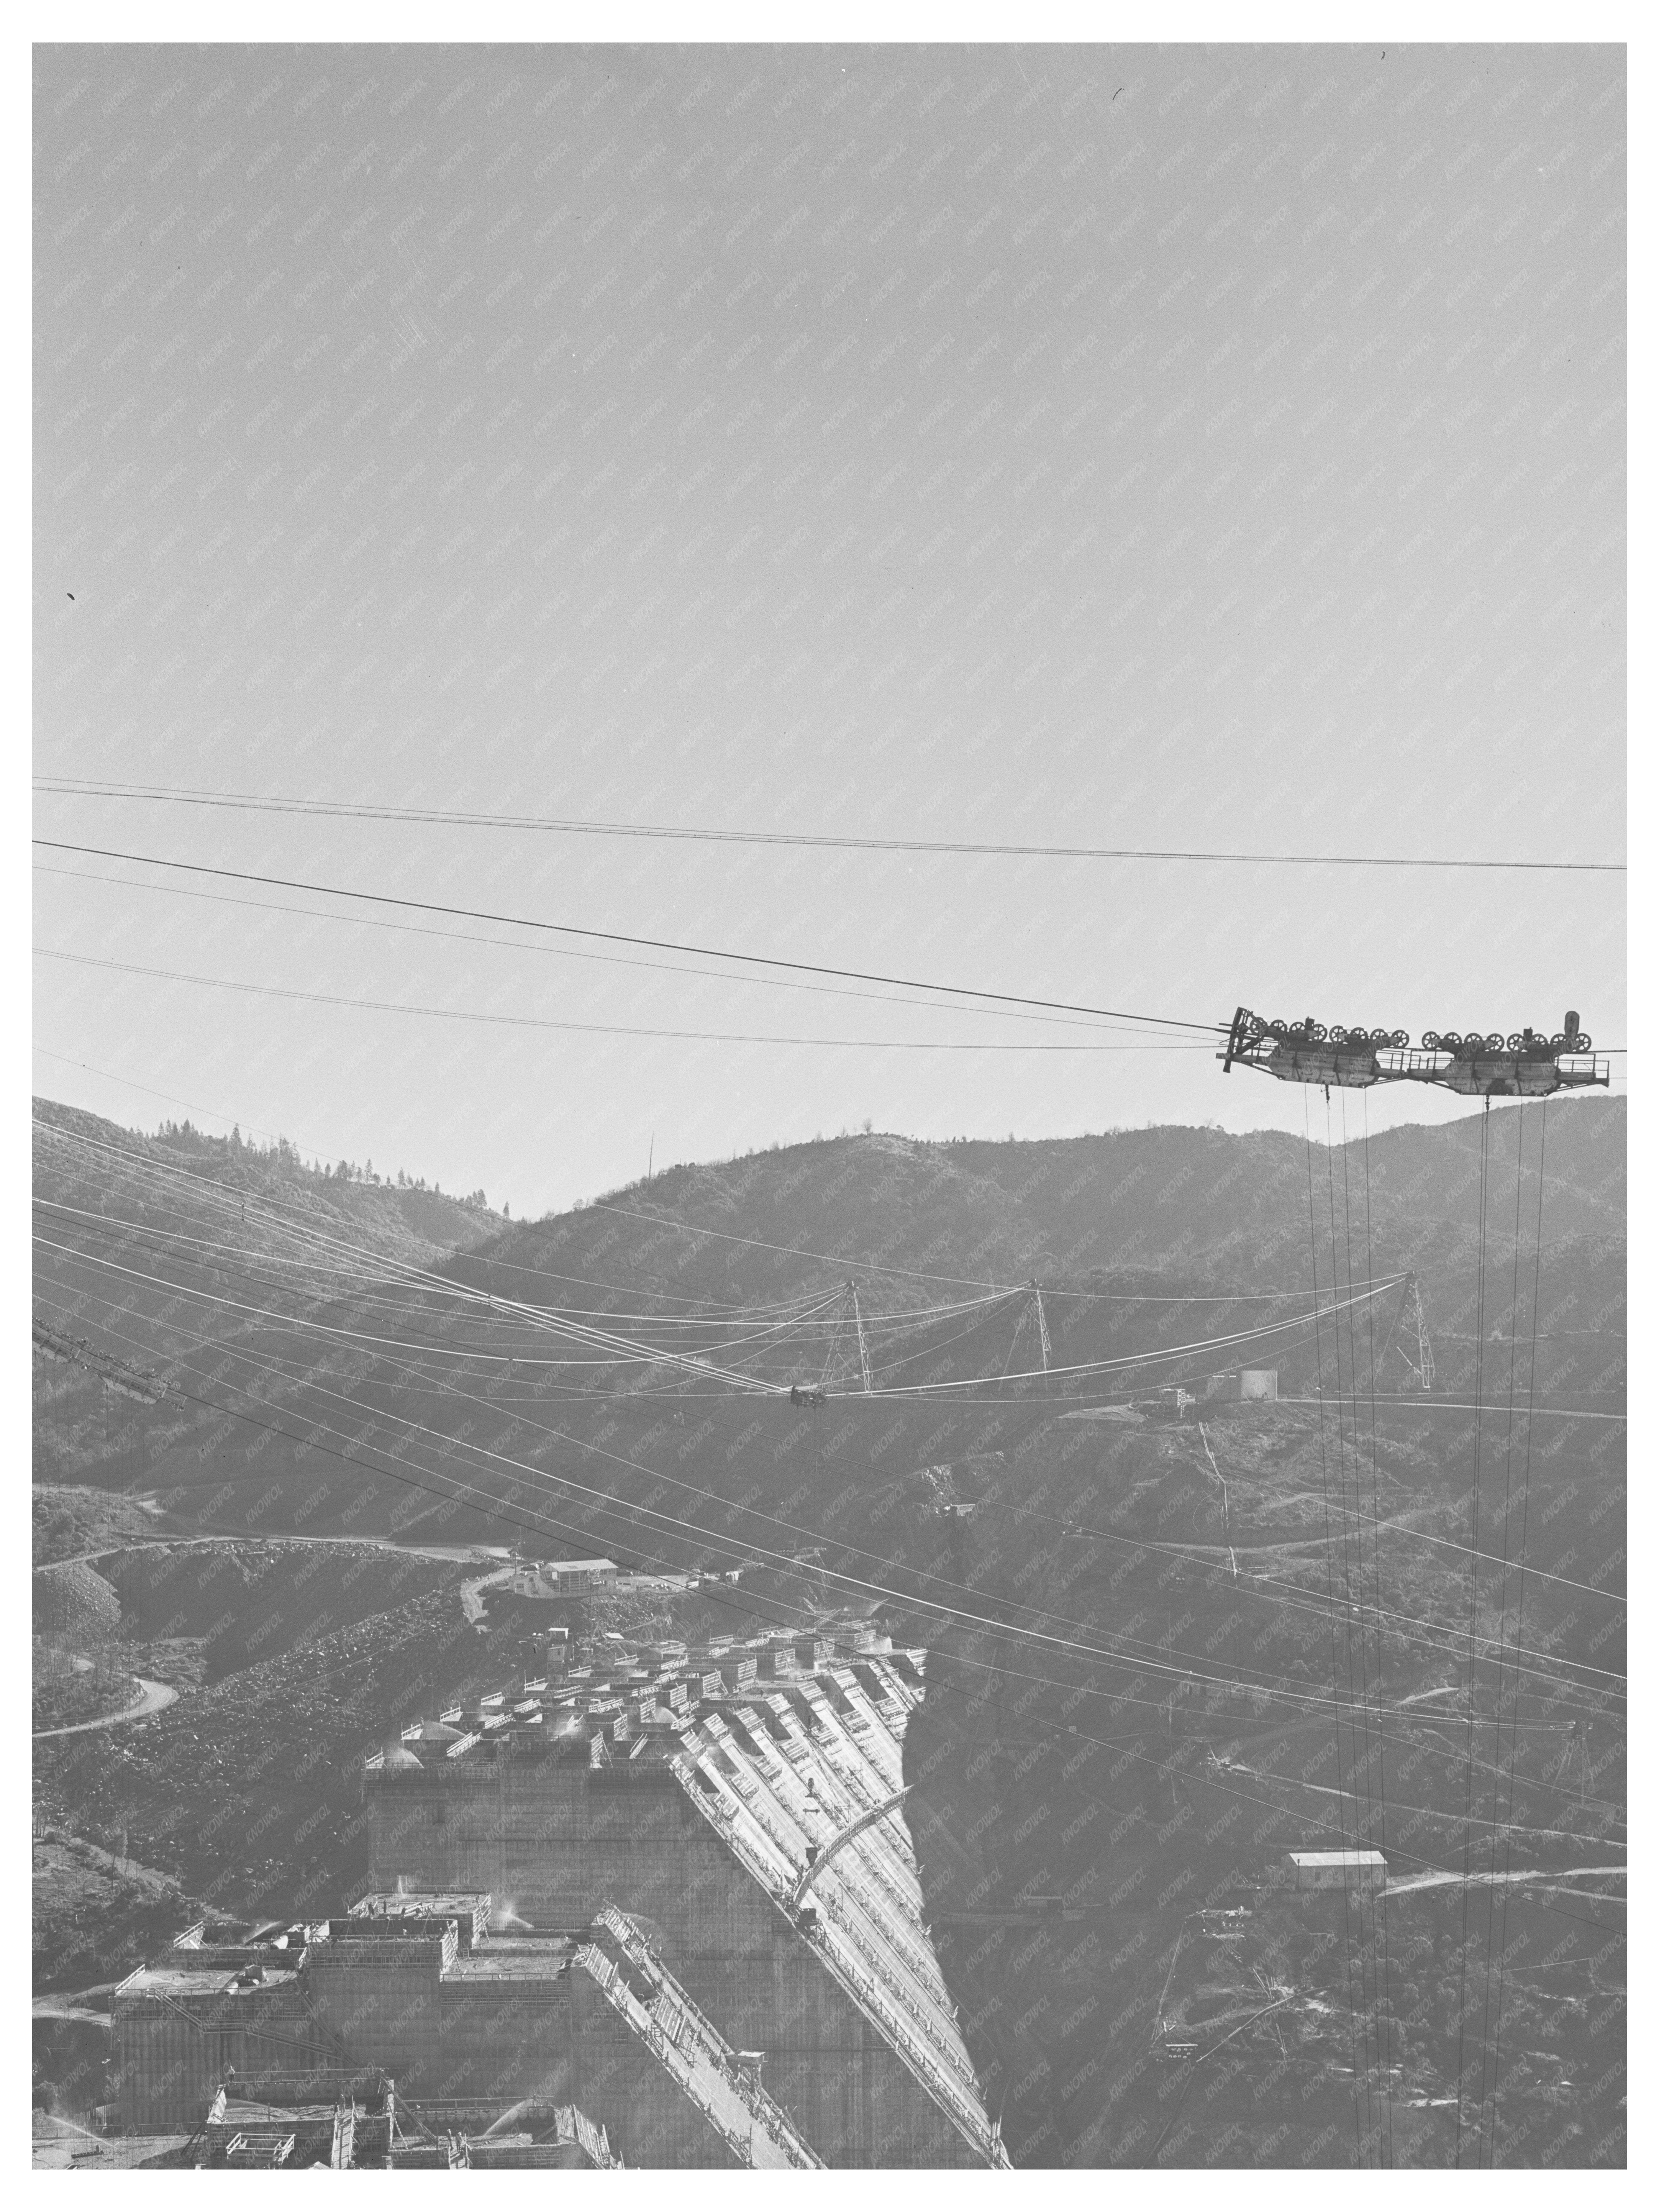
(1527,1065)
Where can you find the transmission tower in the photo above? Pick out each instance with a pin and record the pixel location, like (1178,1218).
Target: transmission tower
(835,1361)
(1423,1367)
(1410,1310)
(864,1349)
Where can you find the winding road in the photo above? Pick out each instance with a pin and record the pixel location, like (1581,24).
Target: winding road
(153,1697)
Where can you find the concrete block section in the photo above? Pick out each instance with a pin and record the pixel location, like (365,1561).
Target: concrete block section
(704,1820)
(479,2038)
(722,2083)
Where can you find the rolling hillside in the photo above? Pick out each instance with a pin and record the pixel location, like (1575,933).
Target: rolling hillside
(1169,1646)
(317,1386)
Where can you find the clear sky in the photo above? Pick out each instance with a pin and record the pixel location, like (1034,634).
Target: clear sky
(1212,447)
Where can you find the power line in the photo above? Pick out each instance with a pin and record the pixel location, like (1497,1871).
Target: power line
(145,1163)
(502,1509)
(420,1279)
(633,1511)
(694,1230)
(236,1121)
(691,1228)
(618,937)
(330,1241)
(874,1267)
(620,1349)
(340,810)
(357,1287)
(356,1296)
(513,945)
(586,1029)
(611,1502)
(598,1029)
(213,1299)
(1276,1688)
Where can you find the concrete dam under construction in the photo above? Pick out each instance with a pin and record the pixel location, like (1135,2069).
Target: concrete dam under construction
(679,1897)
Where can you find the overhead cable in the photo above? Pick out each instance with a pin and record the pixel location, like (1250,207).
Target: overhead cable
(586,1029)
(1278,1689)
(618,937)
(575,826)
(558,951)
(609,1502)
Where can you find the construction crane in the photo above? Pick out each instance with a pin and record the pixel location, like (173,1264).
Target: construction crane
(1527,1064)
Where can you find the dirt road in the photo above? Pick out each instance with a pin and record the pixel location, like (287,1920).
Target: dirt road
(153,1697)
(453,1554)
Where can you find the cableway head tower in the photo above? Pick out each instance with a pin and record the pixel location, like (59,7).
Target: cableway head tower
(1527,1065)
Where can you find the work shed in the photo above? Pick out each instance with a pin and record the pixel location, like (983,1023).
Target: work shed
(1339,1870)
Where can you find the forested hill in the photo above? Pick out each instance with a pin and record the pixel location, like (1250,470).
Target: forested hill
(312,1383)
(79,1156)
(1204,1208)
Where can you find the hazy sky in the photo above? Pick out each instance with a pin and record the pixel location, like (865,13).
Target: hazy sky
(1184,447)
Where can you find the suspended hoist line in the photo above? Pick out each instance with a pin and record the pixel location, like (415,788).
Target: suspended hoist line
(1520,1615)
(1485,1066)
(1381,1903)
(1526,1064)
(1480,2145)
(1336,1707)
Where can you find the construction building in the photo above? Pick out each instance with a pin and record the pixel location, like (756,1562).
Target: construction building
(742,1803)
(1250,1386)
(263,2126)
(1361,1870)
(292,2046)
(561,1578)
